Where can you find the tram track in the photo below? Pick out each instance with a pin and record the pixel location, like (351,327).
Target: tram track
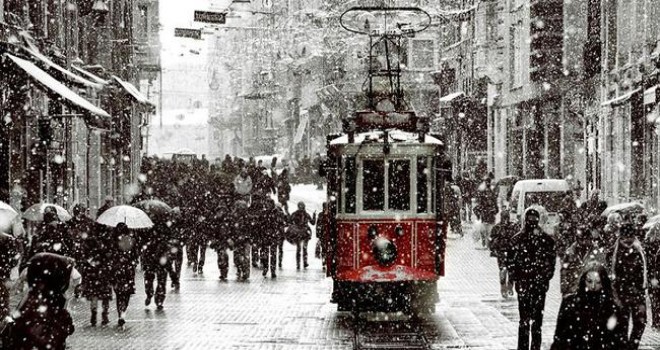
(389,335)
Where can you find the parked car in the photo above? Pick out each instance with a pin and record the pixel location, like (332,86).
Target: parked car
(547,193)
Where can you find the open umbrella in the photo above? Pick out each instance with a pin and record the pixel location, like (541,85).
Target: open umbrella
(155,209)
(133,217)
(652,222)
(36,212)
(625,208)
(9,218)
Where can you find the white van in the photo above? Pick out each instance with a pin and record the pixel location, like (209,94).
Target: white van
(544,192)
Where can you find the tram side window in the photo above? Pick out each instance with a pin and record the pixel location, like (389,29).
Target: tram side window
(350,176)
(399,185)
(422,185)
(373,184)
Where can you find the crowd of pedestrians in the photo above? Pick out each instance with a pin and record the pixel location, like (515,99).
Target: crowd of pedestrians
(608,267)
(222,207)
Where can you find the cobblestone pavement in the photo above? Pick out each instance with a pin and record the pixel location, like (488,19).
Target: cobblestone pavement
(293,312)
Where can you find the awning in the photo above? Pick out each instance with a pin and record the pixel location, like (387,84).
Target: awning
(68,75)
(60,89)
(91,76)
(621,99)
(650,95)
(452,96)
(133,91)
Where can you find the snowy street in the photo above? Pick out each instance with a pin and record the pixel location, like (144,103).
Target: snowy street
(294,312)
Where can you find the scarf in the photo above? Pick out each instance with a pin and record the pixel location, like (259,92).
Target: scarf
(637,245)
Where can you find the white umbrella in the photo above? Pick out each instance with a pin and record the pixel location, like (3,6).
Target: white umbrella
(5,206)
(652,222)
(133,217)
(36,212)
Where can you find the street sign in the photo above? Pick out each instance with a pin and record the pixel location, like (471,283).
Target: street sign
(211,17)
(188,33)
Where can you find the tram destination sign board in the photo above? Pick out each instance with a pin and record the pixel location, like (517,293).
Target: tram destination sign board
(188,33)
(211,17)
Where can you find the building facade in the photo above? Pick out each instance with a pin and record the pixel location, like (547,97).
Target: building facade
(70,71)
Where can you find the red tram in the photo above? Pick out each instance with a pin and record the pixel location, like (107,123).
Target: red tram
(386,234)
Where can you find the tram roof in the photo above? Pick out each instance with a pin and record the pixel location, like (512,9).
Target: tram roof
(395,136)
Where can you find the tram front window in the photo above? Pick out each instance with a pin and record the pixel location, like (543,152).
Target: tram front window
(373,184)
(399,185)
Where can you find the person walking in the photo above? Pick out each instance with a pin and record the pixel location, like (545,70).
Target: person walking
(531,266)
(300,221)
(652,251)
(322,225)
(155,263)
(283,189)
(42,321)
(501,240)
(243,186)
(627,265)
(467,187)
(573,261)
(454,209)
(276,220)
(8,260)
(96,270)
(125,253)
(221,222)
(486,209)
(51,237)
(240,240)
(587,318)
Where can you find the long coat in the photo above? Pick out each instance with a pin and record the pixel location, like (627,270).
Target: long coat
(532,260)
(587,319)
(95,265)
(126,251)
(43,321)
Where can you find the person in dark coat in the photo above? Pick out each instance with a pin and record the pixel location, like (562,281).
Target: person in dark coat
(573,261)
(587,318)
(453,208)
(51,237)
(300,221)
(220,236)
(43,321)
(96,269)
(283,189)
(467,186)
(240,239)
(500,246)
(322,222)
(176,245)
(627,265)
(531,266)
(652,251)
(155,263)
(275,220)
(8,260)
(263,184)
(486,209)
(125,253)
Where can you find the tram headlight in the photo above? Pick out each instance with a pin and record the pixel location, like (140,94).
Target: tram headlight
(384,251)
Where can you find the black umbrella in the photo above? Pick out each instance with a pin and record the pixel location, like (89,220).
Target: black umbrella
(157,210)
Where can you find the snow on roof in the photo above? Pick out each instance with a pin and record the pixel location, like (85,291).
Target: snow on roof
(394,136)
